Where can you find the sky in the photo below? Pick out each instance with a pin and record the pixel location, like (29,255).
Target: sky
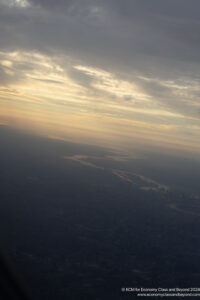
(112,73)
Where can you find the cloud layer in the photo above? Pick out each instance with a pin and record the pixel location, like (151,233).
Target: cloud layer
(132,60)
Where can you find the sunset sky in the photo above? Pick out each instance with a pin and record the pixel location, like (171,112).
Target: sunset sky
(112,73)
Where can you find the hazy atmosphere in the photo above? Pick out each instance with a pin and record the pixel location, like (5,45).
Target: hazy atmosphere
(100,146)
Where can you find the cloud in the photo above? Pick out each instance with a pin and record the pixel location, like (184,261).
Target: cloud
(128,32)
(82,159)
(15,3)
(134,60)
(144,183)
(133,37)
(141,181)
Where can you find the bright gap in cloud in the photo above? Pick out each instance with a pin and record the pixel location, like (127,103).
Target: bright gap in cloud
(16,3)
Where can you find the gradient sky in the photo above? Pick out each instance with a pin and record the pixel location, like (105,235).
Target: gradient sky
(110,73)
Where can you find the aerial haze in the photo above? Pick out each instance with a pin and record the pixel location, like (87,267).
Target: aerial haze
(100,144)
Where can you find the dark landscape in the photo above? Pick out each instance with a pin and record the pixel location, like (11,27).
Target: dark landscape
(79,224)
